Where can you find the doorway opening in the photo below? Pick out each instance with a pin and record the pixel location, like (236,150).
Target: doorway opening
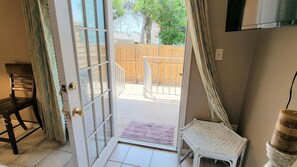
(149,56)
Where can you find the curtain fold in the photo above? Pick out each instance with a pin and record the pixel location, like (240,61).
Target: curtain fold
(198,22)
(43,60)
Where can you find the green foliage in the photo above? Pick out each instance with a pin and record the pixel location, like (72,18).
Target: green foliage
(171,18)
(170,15)
(147,8)
(118,7)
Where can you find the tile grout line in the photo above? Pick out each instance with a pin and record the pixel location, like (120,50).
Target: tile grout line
(35,146)
(46,157)
(129,165)
(151,158)
(32,150)
(21,154)
(127,153)
(68,161)
(24,153)
(118,161)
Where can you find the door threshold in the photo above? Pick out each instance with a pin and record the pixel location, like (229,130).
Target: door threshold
(148,144)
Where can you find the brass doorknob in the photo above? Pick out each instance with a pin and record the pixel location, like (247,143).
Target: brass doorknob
(72,86)
(77,112)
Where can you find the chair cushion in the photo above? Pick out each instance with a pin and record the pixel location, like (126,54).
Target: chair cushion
(9,105)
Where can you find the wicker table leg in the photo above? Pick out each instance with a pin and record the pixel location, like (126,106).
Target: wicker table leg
(197,159)
(179,149)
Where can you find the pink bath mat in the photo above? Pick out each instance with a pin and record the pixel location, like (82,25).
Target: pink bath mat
(150,132)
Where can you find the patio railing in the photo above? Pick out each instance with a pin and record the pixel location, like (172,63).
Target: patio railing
(120,78)
(147,80)
(165,69)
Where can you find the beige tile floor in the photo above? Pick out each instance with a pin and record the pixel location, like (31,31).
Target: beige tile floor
(35,150)
(132,106)
(126,155)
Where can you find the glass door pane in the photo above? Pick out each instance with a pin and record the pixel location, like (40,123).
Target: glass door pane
(108,129)
(88,121)
(90,42)
(90,13)
(81,49)
(92,150)
(104,75)
(77,12)
(100,12)
(100,139)
(102,42)
(93,47)
(98,112)
(106,105)
(85,86)
(96,82)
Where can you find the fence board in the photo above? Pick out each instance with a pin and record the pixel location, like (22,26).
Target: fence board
(130,57)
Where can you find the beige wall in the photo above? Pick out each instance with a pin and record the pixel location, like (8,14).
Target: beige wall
(233,70)
(255,76)
(13,41)
(197,105)
(273,67)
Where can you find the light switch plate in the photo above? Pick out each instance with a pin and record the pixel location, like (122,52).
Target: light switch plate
(219,54)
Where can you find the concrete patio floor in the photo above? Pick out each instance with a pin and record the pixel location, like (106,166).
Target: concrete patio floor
(132,106)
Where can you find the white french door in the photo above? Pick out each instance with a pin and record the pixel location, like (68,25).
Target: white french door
(84,48)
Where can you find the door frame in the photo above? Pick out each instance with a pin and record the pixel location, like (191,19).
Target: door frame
(185,85)
(183,101)
(60,12)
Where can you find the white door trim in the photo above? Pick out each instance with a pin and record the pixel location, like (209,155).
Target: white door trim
(185,85)
(183,101)
(110,52)
(63,36)
(59,12)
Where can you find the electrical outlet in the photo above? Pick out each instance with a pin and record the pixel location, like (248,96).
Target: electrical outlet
(219,54)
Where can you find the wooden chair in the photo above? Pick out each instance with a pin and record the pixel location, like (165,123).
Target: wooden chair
(21,81)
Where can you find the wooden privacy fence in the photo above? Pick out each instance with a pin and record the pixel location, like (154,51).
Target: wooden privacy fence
(165,71)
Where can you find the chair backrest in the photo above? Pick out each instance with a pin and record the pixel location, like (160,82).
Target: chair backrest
(21,79)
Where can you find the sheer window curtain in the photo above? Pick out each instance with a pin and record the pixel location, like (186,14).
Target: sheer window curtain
(43,60)
(197,13)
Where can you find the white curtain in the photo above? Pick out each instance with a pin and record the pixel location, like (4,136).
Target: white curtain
(197,12)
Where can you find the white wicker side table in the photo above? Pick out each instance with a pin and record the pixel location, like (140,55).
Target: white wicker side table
(212,140)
